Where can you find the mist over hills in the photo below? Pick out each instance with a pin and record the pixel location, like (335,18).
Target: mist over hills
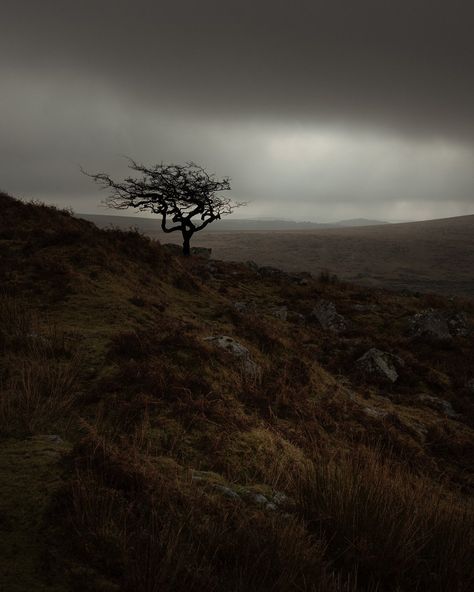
(240,224)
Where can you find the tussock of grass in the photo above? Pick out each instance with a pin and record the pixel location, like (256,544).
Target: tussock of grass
(166,534)
(41,372)
(395,529)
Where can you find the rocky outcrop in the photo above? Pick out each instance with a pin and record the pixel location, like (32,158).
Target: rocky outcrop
(327,316)
(438,325)
(250,368)
(202,252)
(379,365)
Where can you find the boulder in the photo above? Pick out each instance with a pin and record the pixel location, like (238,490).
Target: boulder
(327,316)
(439,325)
(236,349)
(380,365)
(458,324)
(202,252)
(430,324)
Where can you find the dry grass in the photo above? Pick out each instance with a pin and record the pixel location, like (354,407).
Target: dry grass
(166,404)
(162,533)
(40,371)
(391,527)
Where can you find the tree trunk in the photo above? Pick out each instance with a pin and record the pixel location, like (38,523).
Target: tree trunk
(186,245)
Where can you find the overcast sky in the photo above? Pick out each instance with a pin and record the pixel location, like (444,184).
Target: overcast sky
(317,110)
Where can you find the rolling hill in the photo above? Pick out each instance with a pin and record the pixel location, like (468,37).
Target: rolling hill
(187,425)
(431,256)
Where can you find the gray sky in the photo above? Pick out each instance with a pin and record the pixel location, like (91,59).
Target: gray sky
(317,110)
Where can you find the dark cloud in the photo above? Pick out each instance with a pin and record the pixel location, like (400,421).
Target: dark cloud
(343,104)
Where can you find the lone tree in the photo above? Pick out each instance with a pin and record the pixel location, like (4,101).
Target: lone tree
(185,196)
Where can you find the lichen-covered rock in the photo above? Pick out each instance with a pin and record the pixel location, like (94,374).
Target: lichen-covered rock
(379,364)
(430,324)
(439,325)
(239,351)
(203,252)
(245,307)
(326,314)
(458,324)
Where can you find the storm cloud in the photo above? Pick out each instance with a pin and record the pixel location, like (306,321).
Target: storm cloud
(316,110)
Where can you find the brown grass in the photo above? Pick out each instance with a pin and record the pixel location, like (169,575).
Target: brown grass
(40,374)
(162,532)
(391,527)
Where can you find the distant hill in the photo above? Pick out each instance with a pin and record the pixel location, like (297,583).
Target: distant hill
(429,256)
(228,224)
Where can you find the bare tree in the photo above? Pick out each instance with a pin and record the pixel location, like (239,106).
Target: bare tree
(185,196)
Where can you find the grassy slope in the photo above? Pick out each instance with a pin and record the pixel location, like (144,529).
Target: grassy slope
(416,255)
(101,333)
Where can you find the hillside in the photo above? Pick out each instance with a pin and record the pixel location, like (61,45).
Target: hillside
(432,256)
(182,424)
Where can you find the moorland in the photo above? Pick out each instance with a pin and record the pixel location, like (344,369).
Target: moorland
(191,424)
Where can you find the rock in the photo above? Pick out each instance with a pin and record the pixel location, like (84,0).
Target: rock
(329,319)
(279,498)
(250,368)
(375,413)
(172,248)
(458,324)
(280,312)
(430,324)
(438,325)
(268,271)
(245,307)
(379,364)
(54,438)
(229,344)
(202,252)
(251,265)
(227,492)
(301,278)
(212,268)
(366,307)
(437,404)
(271,507)
(260,499)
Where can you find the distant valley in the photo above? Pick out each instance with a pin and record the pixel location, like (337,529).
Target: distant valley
(430,256)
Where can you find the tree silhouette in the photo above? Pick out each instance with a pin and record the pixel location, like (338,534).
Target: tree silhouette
(185,196)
